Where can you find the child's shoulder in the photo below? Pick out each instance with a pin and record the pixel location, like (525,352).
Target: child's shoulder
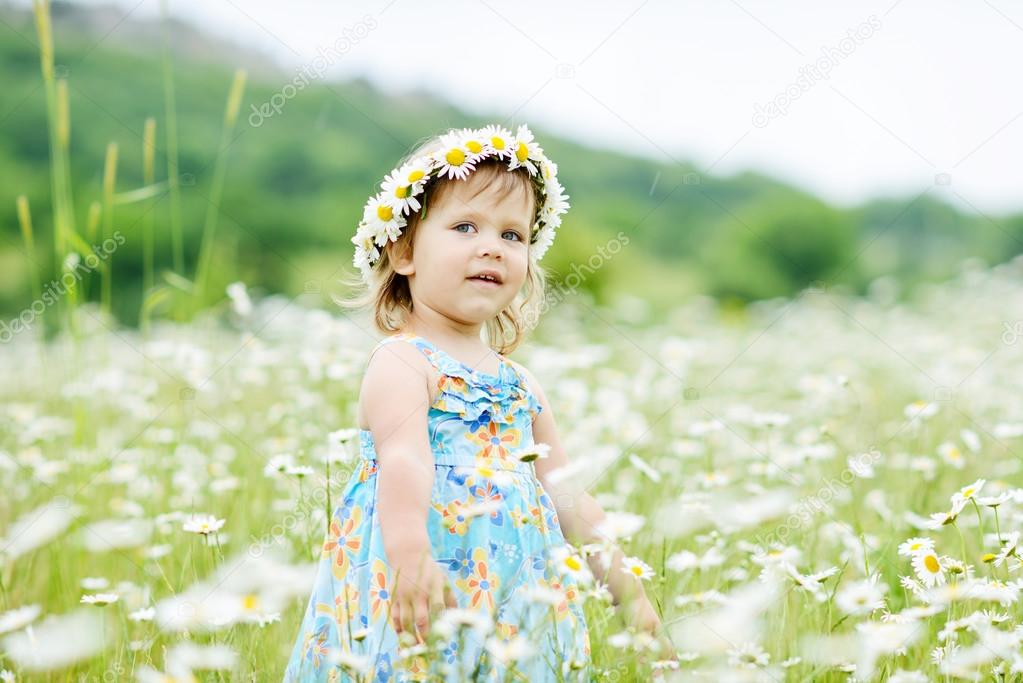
(395,358)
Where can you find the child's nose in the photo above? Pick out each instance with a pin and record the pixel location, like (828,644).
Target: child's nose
(491,245)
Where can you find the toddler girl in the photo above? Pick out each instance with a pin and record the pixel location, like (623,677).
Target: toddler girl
(446,559)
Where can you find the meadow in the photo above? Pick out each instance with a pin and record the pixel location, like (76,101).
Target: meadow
(823,489)
(819,485)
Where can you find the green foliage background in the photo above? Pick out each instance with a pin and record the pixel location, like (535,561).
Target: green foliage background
(296,184)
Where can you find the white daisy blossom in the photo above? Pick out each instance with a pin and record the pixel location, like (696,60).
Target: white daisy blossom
(203,524)
(619,525)
(861,597)
(514,649)
(968,492)
(19,617)
(567,562)
(384,215)
(99,599)
(400,192)
(929,568)
(636,567)
(912,546)
(1009,544)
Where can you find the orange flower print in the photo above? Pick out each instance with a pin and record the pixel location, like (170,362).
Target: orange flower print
(505,631)
(314,643)
(379,589)
(453,517)
(561,609)
(480,585)
(341,539)
(417,668)
(345,607)
(495,442)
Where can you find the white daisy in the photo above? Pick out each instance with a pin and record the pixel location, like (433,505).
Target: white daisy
(544,239)
(95,583)
(555,203)
(99,599)
(278,464)
(1009,544)
(995,501)
(636,567)
(619,525)
(748,656)
(940,519)
(453,159)
(973,489)
(970,438)
(366,252)
(533,452)
(920,409)
(203,524)
(475,142)
(143,614)
(500,139)
(401,195)
(951,454)
(14,619)
(514,649)
(861,597)
(568,563)
(929,568)
(382,220)
(527,152)
(912,546)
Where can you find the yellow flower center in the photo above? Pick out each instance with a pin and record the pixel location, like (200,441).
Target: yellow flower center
(522,152)
(637,570)
(401,191)
(384,212)
(967,493)
(987,557)
(415,175)
(931,562)
(455,157)
(916,546)
(497,142)
(573,563)
(474,146)
(249,602)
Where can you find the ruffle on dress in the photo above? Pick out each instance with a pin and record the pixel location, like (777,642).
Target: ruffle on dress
(470,394)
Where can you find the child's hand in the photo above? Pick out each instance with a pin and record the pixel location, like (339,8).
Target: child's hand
(421,591)
(640,613)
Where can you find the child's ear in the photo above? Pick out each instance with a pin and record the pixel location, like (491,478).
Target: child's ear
(400,256)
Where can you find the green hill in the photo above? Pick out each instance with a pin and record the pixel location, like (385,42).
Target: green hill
(296,182)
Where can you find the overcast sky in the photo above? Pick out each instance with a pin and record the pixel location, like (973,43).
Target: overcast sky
(874,98)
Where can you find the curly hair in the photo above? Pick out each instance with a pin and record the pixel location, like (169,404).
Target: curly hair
(388,294)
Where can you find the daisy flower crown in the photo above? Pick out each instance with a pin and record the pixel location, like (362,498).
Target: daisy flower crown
(386,213)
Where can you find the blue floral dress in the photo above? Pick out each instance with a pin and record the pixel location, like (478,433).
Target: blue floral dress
(491,527)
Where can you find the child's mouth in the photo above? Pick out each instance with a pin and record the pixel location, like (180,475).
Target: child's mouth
(485,283)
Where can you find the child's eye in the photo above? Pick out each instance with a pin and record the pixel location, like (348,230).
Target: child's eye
(517,237)
(464,225)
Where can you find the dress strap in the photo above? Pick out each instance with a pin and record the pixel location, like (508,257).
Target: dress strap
(420,343)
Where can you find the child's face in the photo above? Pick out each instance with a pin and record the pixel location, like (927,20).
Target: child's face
(464,234)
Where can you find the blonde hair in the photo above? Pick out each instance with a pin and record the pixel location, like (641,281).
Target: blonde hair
(388,292)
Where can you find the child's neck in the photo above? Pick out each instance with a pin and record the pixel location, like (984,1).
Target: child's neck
(440,329)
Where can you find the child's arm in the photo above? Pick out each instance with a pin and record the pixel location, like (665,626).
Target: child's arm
(395,398)
(578,513)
